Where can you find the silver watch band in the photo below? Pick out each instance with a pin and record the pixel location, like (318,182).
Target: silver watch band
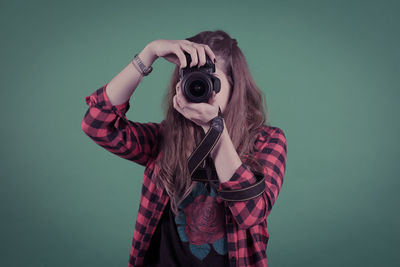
(143,69)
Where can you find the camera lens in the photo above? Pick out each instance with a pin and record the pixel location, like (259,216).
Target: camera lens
(198,88)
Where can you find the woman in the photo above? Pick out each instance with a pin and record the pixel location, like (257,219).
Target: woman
(181,222)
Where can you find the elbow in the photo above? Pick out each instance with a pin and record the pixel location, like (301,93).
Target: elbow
(85,126)
(249,224)
(88,129)
(257,215)
(90,126)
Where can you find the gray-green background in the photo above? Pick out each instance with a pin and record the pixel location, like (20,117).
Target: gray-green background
(330,73)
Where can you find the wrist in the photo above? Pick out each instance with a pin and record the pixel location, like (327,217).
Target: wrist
(147,55)
(218,123)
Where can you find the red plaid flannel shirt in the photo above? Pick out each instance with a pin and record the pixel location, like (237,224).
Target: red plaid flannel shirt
(246,221)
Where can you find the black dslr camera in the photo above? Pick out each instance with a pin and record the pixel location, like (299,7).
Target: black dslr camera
(198,84)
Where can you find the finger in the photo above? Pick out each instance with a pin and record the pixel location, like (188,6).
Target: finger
(178,101)
(173,58)
(212,98)
(215,104)
(202,55)
(193,54)
(210,53)
(174,102)
(181,56)
(186,41)
(182,99)
(176,105)
(196,107)
(176,88)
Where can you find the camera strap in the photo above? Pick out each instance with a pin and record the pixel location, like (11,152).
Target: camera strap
(207,172)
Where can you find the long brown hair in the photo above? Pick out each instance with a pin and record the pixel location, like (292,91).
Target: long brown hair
(244,115)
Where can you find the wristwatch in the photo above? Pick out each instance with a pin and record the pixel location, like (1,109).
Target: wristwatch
(217,123)
(143,69)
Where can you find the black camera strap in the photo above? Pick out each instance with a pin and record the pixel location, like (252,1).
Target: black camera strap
(207,172)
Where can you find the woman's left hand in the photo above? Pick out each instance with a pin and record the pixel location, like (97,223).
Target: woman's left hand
(199,113)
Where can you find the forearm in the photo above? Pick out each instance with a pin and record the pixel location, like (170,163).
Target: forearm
(122,86)
(226,159)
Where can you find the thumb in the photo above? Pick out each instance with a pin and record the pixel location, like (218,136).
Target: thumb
(214,97)
(215,104)
(211,100)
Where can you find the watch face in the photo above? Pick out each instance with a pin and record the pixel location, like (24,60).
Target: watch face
(219,128)
(218,124)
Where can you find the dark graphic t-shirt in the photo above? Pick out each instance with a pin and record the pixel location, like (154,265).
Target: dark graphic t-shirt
(196,237)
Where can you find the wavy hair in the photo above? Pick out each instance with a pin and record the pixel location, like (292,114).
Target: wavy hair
(244,115)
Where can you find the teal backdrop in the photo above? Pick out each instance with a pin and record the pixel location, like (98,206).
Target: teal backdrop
(330,74)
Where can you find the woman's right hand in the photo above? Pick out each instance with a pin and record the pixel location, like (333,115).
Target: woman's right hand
(173,51)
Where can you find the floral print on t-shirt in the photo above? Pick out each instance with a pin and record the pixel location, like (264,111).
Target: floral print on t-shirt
(201,222)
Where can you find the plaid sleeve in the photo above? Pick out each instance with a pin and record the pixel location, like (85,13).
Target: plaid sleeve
(272,153)
(108,126)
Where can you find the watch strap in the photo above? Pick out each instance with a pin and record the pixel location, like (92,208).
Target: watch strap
(143,68)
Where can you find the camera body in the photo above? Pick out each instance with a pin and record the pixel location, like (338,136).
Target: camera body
(198,84)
